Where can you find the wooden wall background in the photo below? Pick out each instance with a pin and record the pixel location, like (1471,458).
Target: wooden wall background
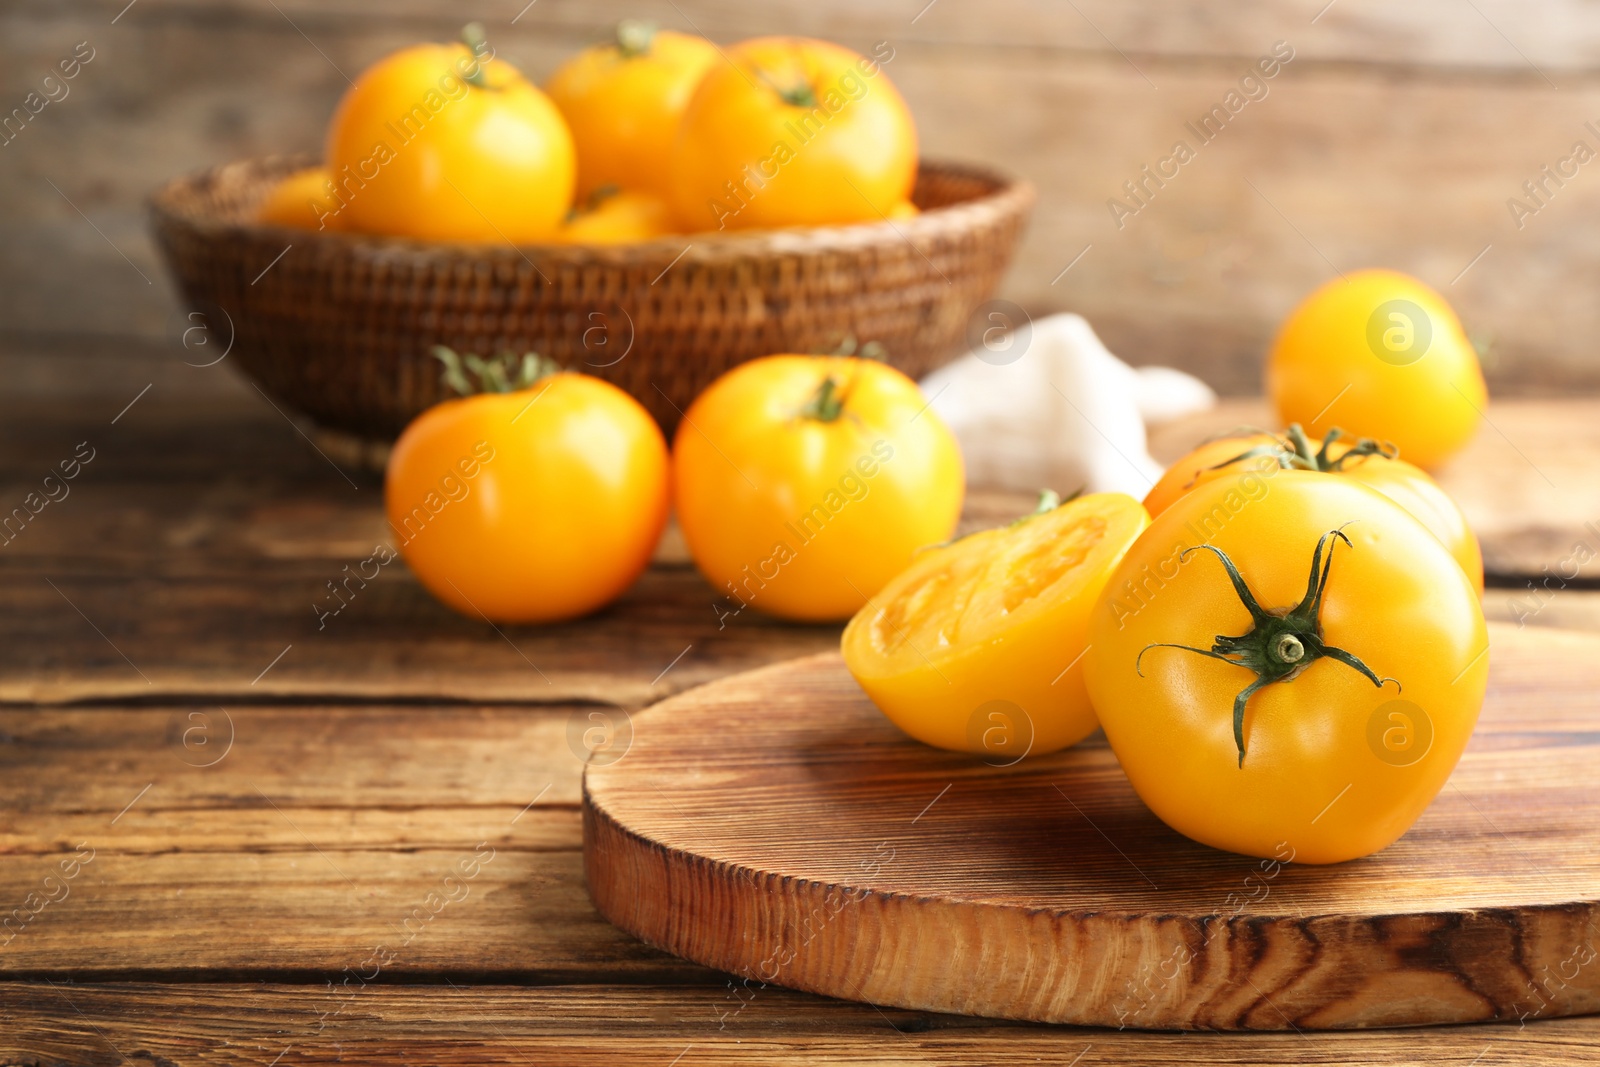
(1395,137)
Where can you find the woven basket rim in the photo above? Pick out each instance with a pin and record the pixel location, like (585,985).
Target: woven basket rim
(176,205)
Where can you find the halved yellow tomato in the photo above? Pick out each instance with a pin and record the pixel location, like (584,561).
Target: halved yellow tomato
(975,646)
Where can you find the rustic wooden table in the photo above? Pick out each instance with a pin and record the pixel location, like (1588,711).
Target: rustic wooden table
(231,833)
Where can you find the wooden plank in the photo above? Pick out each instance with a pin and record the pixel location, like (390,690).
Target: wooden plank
(253,636)
(549,826)
(1555,37)
(294,840)
(471,910)
(1566,609)
(493,1025)
(282,779)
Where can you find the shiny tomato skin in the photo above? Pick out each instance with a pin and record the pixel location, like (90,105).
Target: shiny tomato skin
(802,517)
(1205,463)
(624,106)
(1352,355)
(530,506)
(748,158)
(415,150)
(1327,774)
(977,646)
(1407,485)
(1415,490)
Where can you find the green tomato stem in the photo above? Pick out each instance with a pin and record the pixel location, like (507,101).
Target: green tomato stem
(505,373)
(1293,451)
(827,403)
(1277,647)
(477,42)
(634,37)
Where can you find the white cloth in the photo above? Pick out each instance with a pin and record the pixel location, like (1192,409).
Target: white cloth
(1063,414)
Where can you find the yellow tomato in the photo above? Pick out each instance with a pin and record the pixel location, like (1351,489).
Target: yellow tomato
(905,209)
(437,143)
(303,200)
(533,505)
(623,101)
(1222,457)
(1364,461)
(1288,671)
(1384,356)
(975,646)
(793,132)
(618,217)
(804,483)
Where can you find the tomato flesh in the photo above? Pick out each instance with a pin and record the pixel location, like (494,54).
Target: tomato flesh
(975,646)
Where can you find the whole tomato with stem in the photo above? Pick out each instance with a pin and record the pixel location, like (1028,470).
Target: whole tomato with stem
(1373,463)
(1384,356)
(793,132)
(623,100)
(447,143)
(805,483)
(976,646)
(1288,667)
(540,498)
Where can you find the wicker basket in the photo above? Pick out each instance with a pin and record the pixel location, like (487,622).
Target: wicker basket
(341,326)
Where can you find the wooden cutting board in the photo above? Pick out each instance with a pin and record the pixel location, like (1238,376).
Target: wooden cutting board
(774,825)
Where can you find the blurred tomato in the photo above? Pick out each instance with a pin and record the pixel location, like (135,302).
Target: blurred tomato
(793,132)
(540,503)
(623,101)
(617,216)
(1384,356)
(444,142)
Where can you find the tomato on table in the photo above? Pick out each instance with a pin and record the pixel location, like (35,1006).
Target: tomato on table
(793,132)
(539,500)
(976,646)
(1295,667)
(623,101)
(1384,356)
(1372,463)
(447,143)
(804,483)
